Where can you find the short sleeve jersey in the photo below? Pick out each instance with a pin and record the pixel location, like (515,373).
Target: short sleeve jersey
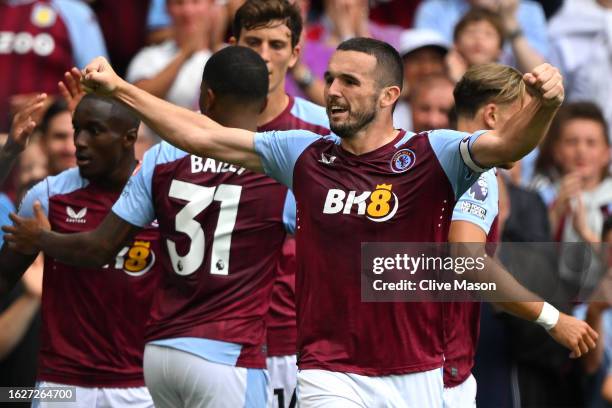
(222,232)
(93,319)
(403,191)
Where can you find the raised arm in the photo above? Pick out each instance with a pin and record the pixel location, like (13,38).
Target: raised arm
(187,130)
(523,131)
(22,127)
(87,249)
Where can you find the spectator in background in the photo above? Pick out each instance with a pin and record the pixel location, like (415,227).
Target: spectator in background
(431,103)
(159,24)
(524,26)
(57,139)
(170,70)
(39,41)
(423,53)
(479,39)
(341,20)
(581,42)
(572,175)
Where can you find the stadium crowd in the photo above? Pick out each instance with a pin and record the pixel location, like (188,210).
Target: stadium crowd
(124,285)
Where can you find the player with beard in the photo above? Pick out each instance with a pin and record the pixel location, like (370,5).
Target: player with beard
(366,183)
(93,320)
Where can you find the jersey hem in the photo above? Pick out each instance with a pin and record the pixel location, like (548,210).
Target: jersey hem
(93,381)
(371,372)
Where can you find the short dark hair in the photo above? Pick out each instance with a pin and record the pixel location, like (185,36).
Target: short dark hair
(123,119)
(237,72)
(58,106)
(260,13)
(476,15)
(390,68)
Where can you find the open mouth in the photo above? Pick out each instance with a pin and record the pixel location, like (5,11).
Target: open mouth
(83,159)
(337,110)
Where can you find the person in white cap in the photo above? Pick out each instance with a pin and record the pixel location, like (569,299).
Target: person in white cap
(423,52)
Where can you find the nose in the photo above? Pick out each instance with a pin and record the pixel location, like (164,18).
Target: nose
(334,88)
(81,140)
(264,52)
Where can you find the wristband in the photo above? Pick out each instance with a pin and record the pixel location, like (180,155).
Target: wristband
(549,316)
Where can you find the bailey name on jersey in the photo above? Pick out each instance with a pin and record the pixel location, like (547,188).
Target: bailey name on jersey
(201,165)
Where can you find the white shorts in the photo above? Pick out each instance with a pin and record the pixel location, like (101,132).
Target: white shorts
(320,388)
(461,396)
(283,379)
(180,379)
(137,397)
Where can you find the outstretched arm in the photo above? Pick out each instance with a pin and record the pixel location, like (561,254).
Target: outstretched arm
(187,130)
(88,249)
(568,331)
(523,132)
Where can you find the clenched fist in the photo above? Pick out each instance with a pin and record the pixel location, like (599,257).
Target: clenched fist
(547,82)
(99,78)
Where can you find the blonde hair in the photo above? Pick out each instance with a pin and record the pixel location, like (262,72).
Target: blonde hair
(488,83)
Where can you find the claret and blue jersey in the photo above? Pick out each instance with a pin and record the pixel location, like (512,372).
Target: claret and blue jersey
(404,191)
(222,230)
(93,319)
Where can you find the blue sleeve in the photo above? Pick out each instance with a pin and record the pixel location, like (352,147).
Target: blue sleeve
(289,213)
(158,16)
(6,207)
(453,150)
(40,192)
(479,205)
(135,205)
(533,22)
(279,150)
(83,29)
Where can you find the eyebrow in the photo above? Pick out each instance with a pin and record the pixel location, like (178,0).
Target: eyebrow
(343,76)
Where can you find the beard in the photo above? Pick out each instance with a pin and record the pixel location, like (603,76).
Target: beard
(356,121)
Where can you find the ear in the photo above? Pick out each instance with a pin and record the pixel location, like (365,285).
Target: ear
(233,40)
(389,96)
(209,101)
(490,115)
(295,55)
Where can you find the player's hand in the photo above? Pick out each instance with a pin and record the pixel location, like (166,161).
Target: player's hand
(547,82)
(574,334)
(71,89)
(98,77)
(24,122)
(24,235)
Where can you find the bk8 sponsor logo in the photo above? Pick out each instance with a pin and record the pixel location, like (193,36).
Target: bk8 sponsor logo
(135,260)
(379,205)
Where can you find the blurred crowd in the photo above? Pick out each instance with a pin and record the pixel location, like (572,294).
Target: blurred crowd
(561,192)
